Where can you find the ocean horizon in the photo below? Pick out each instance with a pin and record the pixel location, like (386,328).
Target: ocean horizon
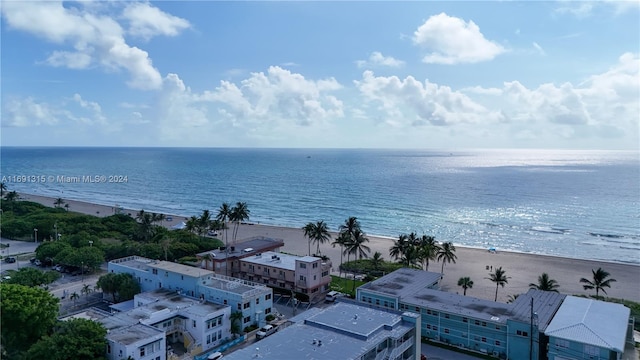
(573,203)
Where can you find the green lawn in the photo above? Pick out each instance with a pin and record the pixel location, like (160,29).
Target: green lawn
(344,285)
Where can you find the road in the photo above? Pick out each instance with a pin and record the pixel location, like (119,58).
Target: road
(16,248)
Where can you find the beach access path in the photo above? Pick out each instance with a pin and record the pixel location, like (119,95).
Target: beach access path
(521,268)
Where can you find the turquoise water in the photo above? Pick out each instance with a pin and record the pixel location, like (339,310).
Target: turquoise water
(582,204)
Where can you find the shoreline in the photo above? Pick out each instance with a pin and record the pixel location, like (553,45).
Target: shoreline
(522,268)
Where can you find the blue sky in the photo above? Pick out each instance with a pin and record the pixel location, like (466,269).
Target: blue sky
(322,74)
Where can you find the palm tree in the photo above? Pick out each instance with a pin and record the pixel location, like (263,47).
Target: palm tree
(499,277)
(357,246)
(86,290)
(192,224)
(545,283)
(239,213)
(342,240)
(224,214)
(203,222)
(58,203)
(3,188)
(428,249)
(155,218)
(512,298)
(146,225)
(599,282)
(235,317)
(350,225)
(66,206)
(446,253)
(376,260)
(10,198)
(399,247)
(74,297)
(466,283)
(411,257)
(317,233)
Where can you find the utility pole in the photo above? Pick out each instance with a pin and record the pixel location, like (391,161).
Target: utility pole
(531,333)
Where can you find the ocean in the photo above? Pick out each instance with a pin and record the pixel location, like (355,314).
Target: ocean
(579,204)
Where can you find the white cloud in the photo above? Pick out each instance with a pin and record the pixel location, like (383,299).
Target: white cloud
(95,38)
(539,49)
(451,40)
(603,107)
(28,112)
(72,60)
(409,101)
(93,108)
(583,9)
(279,95)
(377,59)
(146,21)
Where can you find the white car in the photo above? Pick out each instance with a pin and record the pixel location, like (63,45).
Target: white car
(215,356)
(266,331)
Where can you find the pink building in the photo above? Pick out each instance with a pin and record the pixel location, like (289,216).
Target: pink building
(303,274)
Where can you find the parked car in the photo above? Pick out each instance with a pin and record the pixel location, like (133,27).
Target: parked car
(215,356)
(38,262)
(32,260)
(10,259)
(266,331)
(331,296)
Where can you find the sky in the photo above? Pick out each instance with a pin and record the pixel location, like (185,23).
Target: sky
(434,75)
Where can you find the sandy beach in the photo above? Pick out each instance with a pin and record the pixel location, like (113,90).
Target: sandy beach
(521,268)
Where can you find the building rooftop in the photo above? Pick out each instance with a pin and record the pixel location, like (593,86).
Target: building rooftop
(592,322)
(246,247)
(411,286)
(141,263)
(159,305)
(132,334)
(234,285)
(329,334)
(495,312)
(403,282)
(279,260)
(545,306)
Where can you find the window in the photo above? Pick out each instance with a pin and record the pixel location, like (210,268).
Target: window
(325,273)
(315,265)
(484,323)
(484,339)
(302,278)
(142,351)
(247,319)
(446,331)
(246,305)
(435,328)
(239,306)
(522,333)
(591,350)
(181,277)
(208,339)
(429,326)
(194,323)
(166,274)
(477,322)
(257,301)
(446,316)
(561,343)
(497,327)
(464,320)
(267,297)
(267,311)
(155,271)
(303,266)
(314,277)
(497,342)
